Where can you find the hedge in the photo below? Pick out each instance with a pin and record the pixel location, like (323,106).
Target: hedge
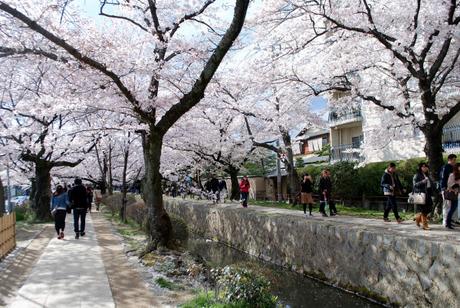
(350,182)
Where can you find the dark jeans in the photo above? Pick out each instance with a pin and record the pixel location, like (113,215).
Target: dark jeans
(391,205)
(59,220)
(453,207)
(79,214)
(310,207)
(244,197)
(332,208)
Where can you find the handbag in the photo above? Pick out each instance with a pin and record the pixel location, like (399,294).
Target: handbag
(417,198)
(450,195)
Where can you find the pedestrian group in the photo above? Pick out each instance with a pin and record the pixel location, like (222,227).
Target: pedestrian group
(76,198)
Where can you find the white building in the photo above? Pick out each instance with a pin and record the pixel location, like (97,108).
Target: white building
(366,133)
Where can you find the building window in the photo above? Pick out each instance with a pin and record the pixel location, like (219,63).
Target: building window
(356,141)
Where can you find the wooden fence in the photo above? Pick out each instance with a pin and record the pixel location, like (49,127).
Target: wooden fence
(7,234)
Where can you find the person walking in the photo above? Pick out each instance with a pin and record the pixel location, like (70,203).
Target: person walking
(78,198)
(391,186)
(306,190)
(89,191)
(59,205)
(222,190)
(215,189)
(423,184)
(325,194)
(244,190)
(446,171)
(98,197)
(452,183)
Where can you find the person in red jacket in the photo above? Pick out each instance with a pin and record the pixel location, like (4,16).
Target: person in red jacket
(244,189)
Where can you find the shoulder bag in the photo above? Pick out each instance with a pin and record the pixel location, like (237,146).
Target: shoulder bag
(417,198)
(450,195)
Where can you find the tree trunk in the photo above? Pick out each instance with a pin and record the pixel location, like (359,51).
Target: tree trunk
(104,168)
(293,181)
(279,181)
(159,228)
(110,180)
(33,190)
(2,199)
(433,150)
(42,198)
(124,190)
(235,189)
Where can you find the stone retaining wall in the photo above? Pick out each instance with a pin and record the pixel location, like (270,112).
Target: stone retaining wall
(402,270)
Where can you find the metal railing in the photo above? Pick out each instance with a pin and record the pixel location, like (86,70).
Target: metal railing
(347,117)
(451,135)
(346,152)
(451,147)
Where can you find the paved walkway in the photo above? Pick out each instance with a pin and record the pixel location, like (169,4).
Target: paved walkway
(70,273)
(405,229)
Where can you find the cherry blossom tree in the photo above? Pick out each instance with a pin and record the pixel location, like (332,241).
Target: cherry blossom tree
(219,139)
(38,128)
(401,56)
(140,55)
(273,108)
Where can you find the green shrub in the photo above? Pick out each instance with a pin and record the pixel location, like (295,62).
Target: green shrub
(244,287)
(207,300)
(21,213)
(167,284)
(350,182)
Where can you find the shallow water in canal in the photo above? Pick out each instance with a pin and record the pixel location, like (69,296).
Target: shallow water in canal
(292,289)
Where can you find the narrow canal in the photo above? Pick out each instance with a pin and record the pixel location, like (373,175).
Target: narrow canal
(293,290)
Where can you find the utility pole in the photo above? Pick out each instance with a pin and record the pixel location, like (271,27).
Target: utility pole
(8,185)
(279,188)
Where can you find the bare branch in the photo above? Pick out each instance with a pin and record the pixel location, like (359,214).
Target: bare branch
(101,13)
(186,17)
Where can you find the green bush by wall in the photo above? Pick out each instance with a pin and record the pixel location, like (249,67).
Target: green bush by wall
(350,182)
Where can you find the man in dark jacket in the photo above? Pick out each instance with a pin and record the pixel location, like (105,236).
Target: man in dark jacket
(391,187)
(215,188)
(325,194)
(446,170)
(78,198)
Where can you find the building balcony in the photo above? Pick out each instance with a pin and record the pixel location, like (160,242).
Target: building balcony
(451,139)
(337,119)
(451,147)
(346,152)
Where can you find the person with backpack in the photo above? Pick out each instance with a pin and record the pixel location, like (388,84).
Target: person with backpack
(325,194)
(59,205)
(446,170)
(392,187)
(306,190)
(78,198)
(423,184)
(244,189)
